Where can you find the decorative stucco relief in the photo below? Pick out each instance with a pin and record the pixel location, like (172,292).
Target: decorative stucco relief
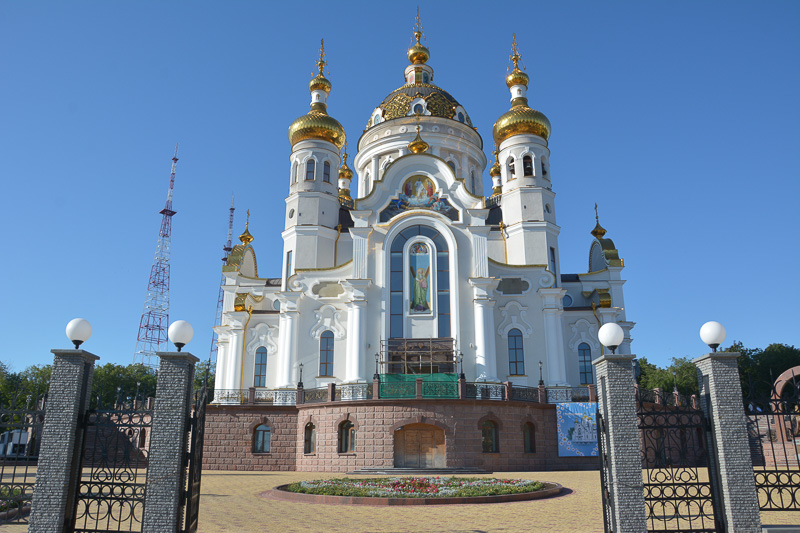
(262,335)
(328,320)
(583,331)
(514,317)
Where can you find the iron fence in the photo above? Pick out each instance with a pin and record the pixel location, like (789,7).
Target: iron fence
(485,391)
(315,395)
(525,394)
(351,392)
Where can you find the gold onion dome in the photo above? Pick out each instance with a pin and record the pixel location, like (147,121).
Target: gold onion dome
(418,146)
(317,124)
(495,170)
(344,171)
(418,54)
(246,237)
(599,231)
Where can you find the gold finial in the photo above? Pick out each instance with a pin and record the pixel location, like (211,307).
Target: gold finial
(418,146)
(517,76)
(321,60)
(514,50)
(418,54)
(245,237)
(417,26)
(598,232)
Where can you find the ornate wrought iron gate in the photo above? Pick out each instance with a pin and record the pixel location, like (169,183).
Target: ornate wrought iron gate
(195,461)
(603,450)
(113,470)
(680,489)
(773,427)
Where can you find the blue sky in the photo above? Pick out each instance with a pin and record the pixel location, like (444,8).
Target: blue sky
(678,118)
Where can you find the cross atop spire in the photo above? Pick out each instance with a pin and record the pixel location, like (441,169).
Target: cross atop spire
(514,50)
(246,237)
(596,216)
(321,60)
(417,25)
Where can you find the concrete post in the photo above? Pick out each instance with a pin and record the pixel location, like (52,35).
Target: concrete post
(721,401)
(53,503)
(617,405)
(169,443)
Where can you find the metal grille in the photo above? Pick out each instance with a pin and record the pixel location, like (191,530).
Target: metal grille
(398,389)
(773,427)
(347,393)
(197,425)
(113,473)
(21,419)
(604,448)
(486,391)
(440,389)
(525,394)
(315,395)
(679,487)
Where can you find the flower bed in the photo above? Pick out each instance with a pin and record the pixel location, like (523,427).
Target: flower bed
(416,487)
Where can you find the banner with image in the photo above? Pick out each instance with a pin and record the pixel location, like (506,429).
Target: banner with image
(577,429)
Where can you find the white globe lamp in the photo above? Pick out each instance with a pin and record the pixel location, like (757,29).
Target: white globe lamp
(611,336)
(78,331)
(180,333)
(713,333)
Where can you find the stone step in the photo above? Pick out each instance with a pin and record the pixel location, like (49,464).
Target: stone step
(418,471)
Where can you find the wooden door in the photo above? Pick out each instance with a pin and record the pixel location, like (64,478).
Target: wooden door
(419,446)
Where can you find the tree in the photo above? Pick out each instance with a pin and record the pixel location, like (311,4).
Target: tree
(114,383)
(203,370)
(655,377)
(758,369)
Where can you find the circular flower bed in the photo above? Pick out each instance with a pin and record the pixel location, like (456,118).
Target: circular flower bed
(416,487)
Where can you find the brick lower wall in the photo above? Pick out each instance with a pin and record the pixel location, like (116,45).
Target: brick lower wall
(229,431)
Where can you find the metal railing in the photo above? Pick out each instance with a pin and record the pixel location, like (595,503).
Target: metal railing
(525,394)
(315,395)
(486,391)
(352,392)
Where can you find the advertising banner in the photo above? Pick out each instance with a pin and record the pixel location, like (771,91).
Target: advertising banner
(577,429)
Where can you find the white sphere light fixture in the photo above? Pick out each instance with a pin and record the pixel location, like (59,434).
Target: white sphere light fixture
(713,333)
(611,336)
(78,331)
(180,333)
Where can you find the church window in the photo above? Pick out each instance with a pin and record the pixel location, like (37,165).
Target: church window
(511,168)
(544,167)
(460,116)
(529,437)
(452,166)
(288,266)
(527,165)
(553,260)
(376,120)
(294,173)
(261,439)
(418,109)
(347,437)
(516,357)
(489,439)
(326,354)
(425,77)
(326,172)
(260,378)
(310,167)
(310,439)
(585,364)
(472,180)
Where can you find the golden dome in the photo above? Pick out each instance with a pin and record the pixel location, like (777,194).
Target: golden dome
(344,171)
(520,119)
(517,77)
(495,170)
(246,237)
(319,83)
(599,231)
(418,54)
(418,146)
(317,124)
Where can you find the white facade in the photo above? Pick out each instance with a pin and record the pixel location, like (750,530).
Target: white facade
(351,274)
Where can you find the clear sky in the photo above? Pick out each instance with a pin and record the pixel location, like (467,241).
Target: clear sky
(680,119)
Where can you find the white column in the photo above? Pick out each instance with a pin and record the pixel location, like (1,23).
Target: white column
(231,378)
(555,356)
(483,309)
(360,238)
(480,255)
(356,330)
(287,347)
(375,169)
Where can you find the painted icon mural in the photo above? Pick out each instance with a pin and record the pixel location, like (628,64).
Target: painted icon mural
(419,260)
(577,429)
(418,192)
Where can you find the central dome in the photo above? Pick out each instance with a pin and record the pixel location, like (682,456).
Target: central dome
(439,103)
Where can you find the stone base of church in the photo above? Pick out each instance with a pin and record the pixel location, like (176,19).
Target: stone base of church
(385,432)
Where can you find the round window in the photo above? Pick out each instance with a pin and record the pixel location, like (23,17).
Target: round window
(291,213)
(567,300)
(418,109)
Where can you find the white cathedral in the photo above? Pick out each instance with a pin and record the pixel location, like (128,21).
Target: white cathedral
(415,272)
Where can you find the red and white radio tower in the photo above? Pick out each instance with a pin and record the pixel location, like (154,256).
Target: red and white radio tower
(227,249)
(155,317)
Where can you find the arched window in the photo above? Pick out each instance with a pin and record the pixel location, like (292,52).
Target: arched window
(326,354)
(260,377)
(516,357)
(472,180)
(529,437)
(585,364)
(452,166)
(399,277)
(310,439)
(294,172)
(326,172)
(347,437)
(261,439)
(376,120)
(460,116)
(544,166)
(527,165)
(310,166)
(511,168)
(418,109)
(489,437)
(425,77)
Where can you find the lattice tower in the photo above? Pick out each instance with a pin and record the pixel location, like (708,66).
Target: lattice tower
(212,356)
(154,323)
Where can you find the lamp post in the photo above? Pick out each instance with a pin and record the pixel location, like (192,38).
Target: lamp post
(611,336)
(180,333)
(541,380)
(376,376)
(300,383)
(713,334)
(78,331)
(461,366)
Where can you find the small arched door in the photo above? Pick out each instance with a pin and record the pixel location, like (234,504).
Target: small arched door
(419,446)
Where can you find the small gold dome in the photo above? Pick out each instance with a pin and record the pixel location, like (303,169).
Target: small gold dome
(520,119)
(517,77)
(245,237)
(319,83)
(344,171)
(418,146)
(317,124)
(418,54)
(495,170)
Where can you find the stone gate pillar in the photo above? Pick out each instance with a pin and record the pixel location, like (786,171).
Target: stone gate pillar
(721,401)
(53,504)
(166,466)
(617,404)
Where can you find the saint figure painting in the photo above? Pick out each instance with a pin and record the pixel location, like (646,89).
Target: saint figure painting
(420,267)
